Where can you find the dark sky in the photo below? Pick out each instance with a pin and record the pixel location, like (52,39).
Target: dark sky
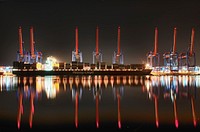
(54,25)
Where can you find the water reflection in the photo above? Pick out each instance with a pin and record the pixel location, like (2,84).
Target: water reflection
(160,89)
(97,92)
(26,89)
(174,87)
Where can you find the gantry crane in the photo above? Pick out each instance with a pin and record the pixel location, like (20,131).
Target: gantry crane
(153,58)
(171,58)
(188,59)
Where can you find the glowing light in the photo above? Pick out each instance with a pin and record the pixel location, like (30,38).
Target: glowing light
(148,66)
(51,62)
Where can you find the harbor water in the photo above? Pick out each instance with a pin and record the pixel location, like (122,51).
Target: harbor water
(133,103)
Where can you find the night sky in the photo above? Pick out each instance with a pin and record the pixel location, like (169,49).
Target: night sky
(54,25)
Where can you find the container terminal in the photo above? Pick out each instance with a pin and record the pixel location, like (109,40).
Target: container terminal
(30,62)
(174,63)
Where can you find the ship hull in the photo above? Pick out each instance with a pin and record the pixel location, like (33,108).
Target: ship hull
(81,72)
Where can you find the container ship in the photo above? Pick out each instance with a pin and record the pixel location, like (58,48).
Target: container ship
(74,68)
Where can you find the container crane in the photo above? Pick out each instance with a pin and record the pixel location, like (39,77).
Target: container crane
(188,59)
(118,56)
(97,56)
(153,58)
(76,54)
(171,58)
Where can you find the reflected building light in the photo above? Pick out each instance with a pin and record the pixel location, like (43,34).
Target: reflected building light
(58,80)
(83,81)
(56,85)
(191,81)
(19,80)
(105,80)
(112,81)
(180,80)
(185,81)
(31,80)
(99,81)
(64,81)
(172,95)
(168,82)
(147,85)
(26,91)
(49,89)
(77,81)
(197,81)
(130,80)
(95,82)
(124,80)
(7,80)
(136,80)
(118,80)
(175,84)
(71,80)
(153,82)
(39,84)
(141,80)
(89,81)
(162,81)
(24,80)
(50,92)
(148,77)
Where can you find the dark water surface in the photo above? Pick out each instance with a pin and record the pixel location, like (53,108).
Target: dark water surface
(130,103)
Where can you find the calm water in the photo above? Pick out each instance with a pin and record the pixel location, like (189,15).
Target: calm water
(99,102)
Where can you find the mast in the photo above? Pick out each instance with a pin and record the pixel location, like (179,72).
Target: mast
(20,41)
(174,47)
(76,40)
(192,42)
(118,47)
(32,42)
(97,40)
(156,41)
